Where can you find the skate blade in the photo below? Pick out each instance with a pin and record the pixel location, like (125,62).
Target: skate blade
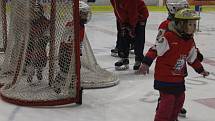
(131,51)
(136,68)
(122,68)
(114,54)
(182,115)
(34,84)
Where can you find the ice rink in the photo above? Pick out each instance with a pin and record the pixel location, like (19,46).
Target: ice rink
(134,98)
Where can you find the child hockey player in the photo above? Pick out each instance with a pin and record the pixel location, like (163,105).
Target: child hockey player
(67,45)
(36,56)
(173,50)
(132,17)
(172,6)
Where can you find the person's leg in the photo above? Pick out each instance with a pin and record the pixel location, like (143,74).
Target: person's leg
(118,34)
(59,82)
(139,44)
(30,73)
(165,107)
(123,51)
(39,73)
(178,106)
(114,51)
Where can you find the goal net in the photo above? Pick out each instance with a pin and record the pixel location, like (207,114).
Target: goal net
(39,68)
(3,25)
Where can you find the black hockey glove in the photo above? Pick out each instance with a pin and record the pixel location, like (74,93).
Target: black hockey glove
(126,31)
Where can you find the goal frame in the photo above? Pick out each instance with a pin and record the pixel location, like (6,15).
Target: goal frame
(78,98)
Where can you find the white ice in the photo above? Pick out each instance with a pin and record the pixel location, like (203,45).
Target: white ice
(134,98)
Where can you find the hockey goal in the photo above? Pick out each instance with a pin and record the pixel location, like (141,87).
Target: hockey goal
(35,70)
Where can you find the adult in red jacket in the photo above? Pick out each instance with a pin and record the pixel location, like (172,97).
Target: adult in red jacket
(174,49)
(131,16)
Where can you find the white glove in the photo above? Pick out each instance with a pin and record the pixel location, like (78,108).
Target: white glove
(144,69)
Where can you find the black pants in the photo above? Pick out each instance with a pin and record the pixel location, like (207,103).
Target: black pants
(123,42)
(139,41)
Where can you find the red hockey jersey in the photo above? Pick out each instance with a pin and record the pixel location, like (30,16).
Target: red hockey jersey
(130,11)
(152,53)
(173,53)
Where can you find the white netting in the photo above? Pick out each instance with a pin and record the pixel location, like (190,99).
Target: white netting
(92,75)
(40,62)
(3,25)
(31,67)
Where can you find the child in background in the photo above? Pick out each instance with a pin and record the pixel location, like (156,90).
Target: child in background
(36,55)
(67,46)
(174,49)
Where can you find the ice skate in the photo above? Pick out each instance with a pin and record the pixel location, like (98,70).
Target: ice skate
(29,79)
(122,64)
(39,75)
(114,52)
(182,112)
(131,49)
(58,82)
(136,65)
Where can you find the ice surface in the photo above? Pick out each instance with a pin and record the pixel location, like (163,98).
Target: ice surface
(134,99)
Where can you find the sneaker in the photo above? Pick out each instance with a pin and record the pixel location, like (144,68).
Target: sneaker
(122,64)
(182,113)
(114,52)
(136,65)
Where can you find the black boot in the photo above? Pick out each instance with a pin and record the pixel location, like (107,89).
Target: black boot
(114,52)
(122,64)
(183,112)
(136,65)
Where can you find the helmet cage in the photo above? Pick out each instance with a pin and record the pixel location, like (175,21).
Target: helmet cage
(175,5)
(85,12)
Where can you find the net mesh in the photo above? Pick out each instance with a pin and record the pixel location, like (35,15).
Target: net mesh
(31,64)
(92,75)
(40,61)
(3,25)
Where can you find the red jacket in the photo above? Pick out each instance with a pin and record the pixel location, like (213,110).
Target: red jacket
(152,53)
(164,24)
(171,60)
(130,11)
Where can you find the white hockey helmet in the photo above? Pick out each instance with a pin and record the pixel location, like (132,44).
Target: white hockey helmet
(85,12)
(174,5)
